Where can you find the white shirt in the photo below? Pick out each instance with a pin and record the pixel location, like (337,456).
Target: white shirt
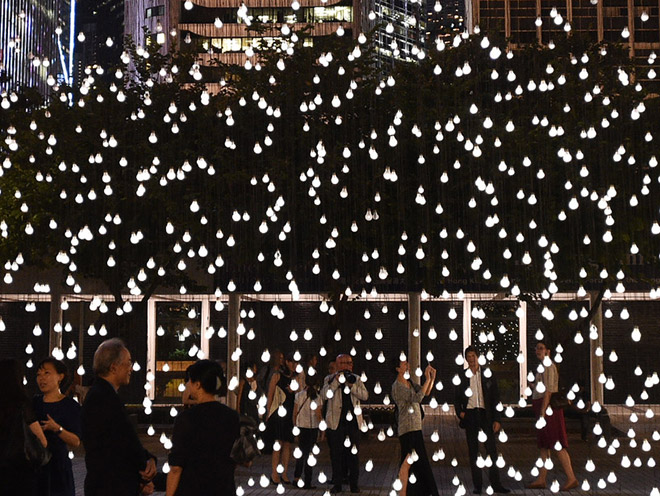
(477,398)
(307,417)
(550,380)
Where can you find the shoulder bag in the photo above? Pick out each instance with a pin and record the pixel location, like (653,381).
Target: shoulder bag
(559,401)
(24,446)
(245,448)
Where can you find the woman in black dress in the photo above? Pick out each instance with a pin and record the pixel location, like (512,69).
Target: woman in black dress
(16,475)
(203,436)
(60,420)
(281,397)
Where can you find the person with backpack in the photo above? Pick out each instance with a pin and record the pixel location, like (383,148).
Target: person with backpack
(307,416)
(408,397)
(17,474)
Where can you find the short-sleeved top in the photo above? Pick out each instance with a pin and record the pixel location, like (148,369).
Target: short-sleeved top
(549,378)
(66,413)
(201,444)
(307,418)
(408,400)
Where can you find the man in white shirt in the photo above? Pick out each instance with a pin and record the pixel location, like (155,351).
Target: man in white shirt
(476,403)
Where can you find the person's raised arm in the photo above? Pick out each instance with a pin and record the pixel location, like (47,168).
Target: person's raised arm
(429,380)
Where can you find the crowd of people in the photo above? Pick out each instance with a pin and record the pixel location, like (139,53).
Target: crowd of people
(289,398)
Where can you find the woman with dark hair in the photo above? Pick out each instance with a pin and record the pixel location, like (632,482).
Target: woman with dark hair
(553,428)
(307,416)
(60,420)
(281,396)
(200,462)
(16,475)
(408,397)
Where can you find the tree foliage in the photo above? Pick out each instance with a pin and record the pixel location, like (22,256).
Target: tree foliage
(312,169)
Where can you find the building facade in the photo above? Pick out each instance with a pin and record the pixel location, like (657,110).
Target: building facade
(28,43)
(224,30)
(635,23)
(102,24)
(445,18)
(401,28)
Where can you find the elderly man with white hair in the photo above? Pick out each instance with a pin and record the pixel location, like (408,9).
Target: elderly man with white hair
(117,464)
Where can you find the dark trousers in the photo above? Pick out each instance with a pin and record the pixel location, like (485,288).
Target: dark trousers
(476,419)
(425,483)
(342,458)
(306,441)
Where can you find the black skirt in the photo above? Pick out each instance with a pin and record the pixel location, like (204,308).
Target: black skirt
(280,428)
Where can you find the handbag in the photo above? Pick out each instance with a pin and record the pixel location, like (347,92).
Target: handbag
(23,445)
(278,398)
(36,453)
(245,448)
(559,401)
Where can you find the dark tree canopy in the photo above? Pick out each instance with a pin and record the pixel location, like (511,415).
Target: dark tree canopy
(313,170)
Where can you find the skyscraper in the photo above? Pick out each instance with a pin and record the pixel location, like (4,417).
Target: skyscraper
(101,23)
(445,18)
(401,28)
(28,43)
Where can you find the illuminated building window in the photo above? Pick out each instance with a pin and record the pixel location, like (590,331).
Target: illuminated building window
(158,10)
(158,38)
(227,45)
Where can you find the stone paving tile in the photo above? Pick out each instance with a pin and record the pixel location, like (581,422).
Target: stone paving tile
(519,451)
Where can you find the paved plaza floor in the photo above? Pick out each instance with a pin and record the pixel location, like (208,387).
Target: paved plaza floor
(452,473)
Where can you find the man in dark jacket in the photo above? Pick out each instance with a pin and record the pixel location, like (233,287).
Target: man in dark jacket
(476,403)
(117,464)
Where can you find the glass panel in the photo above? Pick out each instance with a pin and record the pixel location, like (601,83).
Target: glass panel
(442,342)
(177,345)
(495,333)
(24,335)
